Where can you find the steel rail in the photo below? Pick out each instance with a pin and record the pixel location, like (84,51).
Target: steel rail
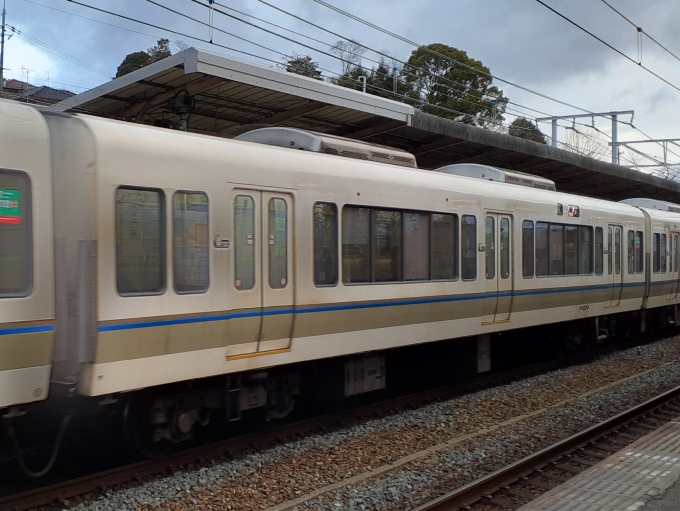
(479,488)
(232,447)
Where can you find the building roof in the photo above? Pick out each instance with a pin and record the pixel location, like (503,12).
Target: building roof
(17,85)
(226,97)
(48,93)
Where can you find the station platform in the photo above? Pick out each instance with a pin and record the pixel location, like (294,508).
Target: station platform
(642,477)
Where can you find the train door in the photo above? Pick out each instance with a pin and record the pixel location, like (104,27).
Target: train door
(614,259)
(277,264)
(263,297)
(673,263)
(498,265)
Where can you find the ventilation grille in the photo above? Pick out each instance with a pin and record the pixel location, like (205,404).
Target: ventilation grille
(329,144)
(488,173)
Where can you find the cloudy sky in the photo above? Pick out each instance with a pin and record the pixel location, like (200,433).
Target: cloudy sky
(521,41)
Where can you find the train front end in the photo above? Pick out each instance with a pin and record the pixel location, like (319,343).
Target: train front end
(26,258)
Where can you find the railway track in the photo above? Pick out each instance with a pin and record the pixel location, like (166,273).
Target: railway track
(234,447)
(521,482)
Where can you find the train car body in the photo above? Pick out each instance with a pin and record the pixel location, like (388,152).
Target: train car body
(26,257)
(185,258)
(143,334)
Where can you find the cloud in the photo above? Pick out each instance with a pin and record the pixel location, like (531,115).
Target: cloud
(20,54)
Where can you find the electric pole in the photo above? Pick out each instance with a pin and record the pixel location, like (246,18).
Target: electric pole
(2,46)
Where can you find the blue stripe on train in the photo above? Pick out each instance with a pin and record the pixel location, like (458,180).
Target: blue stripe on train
(225,317)
(27,330)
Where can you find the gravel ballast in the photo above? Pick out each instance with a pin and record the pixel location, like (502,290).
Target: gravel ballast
(410,457)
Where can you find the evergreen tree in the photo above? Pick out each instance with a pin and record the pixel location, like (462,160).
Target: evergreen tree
(301,65)
(140,59)
(524,128)
(441,76)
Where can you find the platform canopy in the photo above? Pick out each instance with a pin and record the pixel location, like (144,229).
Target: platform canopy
(222,96)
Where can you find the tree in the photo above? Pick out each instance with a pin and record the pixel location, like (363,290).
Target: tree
(587,141)
(524,128)
(301,65)
(442,83)
(139,59)
(349,52)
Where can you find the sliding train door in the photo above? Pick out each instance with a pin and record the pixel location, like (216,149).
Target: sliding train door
(673,264)
(614,260)
(262,311)
(498,264)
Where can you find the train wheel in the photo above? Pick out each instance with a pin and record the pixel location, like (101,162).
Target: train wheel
(140,432)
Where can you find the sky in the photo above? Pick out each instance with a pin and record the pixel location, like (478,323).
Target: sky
(521,41)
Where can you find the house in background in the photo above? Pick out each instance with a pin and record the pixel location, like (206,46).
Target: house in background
(27,93)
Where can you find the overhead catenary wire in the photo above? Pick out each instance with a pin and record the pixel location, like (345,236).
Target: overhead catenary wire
(639,29)
(384,91)
(59,53)
(259,57)
(606,44)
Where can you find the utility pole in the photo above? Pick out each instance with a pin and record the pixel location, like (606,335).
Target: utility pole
(2,46)
(615,127)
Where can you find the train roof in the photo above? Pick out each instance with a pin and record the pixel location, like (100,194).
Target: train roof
(125,134)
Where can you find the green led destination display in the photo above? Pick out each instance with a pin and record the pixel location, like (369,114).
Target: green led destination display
(10,207)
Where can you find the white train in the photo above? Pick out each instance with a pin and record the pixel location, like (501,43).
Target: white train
(182,274)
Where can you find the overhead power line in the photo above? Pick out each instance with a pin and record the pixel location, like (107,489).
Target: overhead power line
(640,30)
(59,53)
(606,44)
(164,29)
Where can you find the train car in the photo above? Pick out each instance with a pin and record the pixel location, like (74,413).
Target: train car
(195,273)
(26,258)
(662,228)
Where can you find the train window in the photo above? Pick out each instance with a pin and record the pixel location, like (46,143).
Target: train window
(617,240)
(190,242)
(585,250)
(490,241)
(662,253)
(610,251)
(356,247)
(639,252)
(505,248)
(570,249)
(468,235)
(599,251)
(542,265)
(631,252)
(325,244)
(527,248)
(444,247)
(140,241)
(244,242)
(386,234)
(416,246)
(657,252)
(675,252)
(556,240)
(16,241)
(278,243)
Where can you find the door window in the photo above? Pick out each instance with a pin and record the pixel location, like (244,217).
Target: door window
(244,242)
(505,248)
(610,251)
(278,243)
(490,239)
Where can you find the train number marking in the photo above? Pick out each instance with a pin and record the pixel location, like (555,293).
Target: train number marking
(584,307)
